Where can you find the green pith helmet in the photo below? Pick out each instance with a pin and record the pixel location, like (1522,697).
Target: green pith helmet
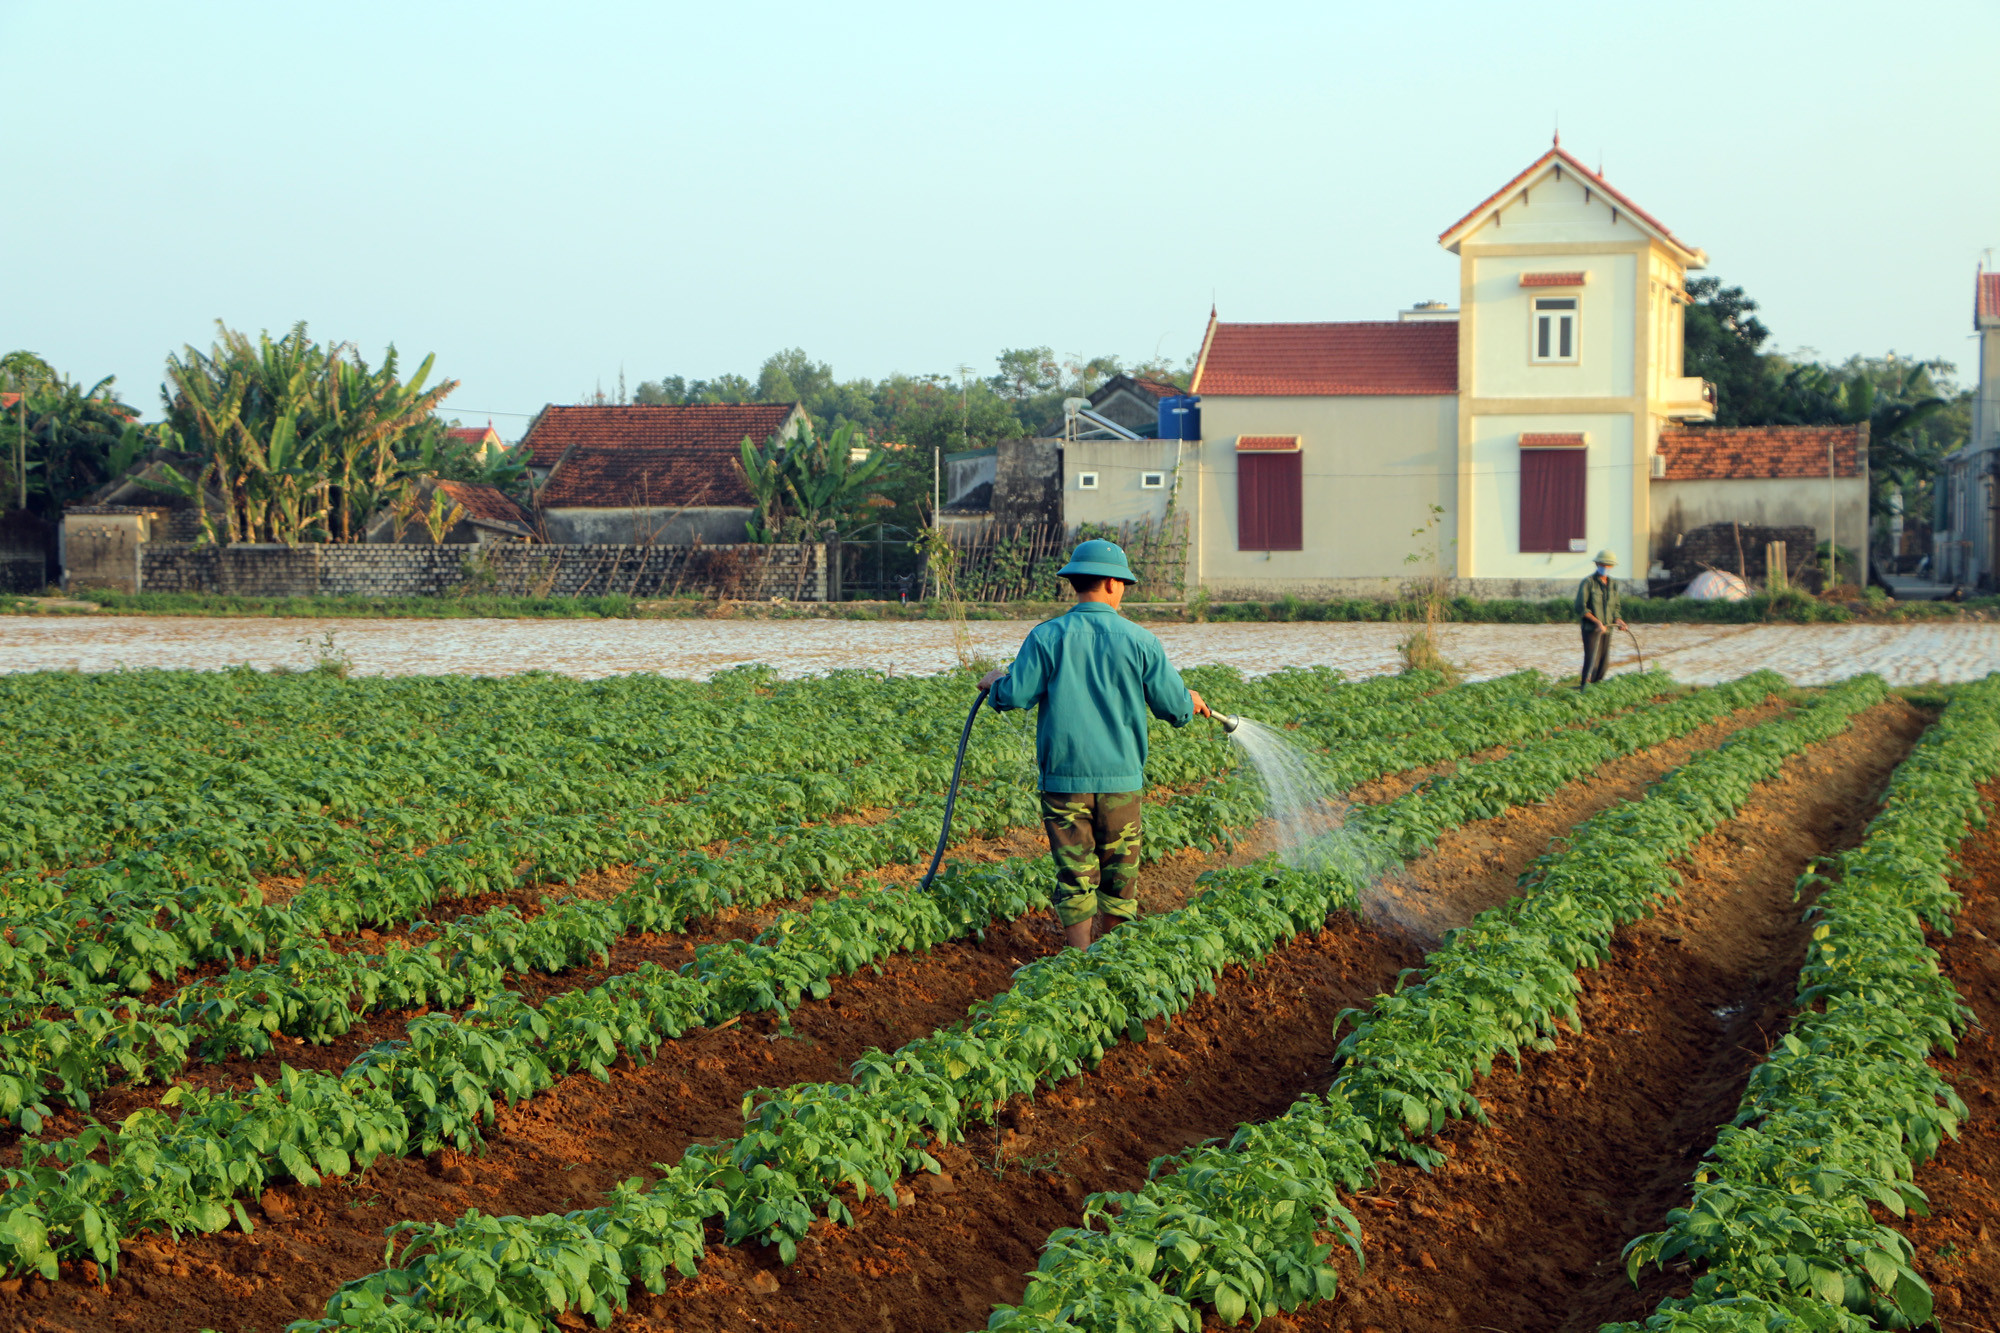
(1099,557)
(1607,558)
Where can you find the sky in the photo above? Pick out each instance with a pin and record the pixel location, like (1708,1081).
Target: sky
(543,195)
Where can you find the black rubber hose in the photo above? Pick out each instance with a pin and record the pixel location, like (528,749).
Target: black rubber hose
(951,797)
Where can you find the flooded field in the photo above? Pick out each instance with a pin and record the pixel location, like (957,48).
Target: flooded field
(1904,654)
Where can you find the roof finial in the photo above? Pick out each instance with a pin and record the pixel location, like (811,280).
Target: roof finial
(1556,139)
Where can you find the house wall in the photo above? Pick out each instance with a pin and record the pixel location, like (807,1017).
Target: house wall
(102,550)
(1682,506)
(1373,467)
(721,525)
(1028,480)
(1120,465)
(794,571)
(1496,489)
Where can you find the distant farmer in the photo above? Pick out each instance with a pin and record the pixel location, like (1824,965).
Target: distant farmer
(1597,609)
(1095,675)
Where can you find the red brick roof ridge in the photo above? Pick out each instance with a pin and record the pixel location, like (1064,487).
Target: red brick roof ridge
(483,501)
(1380,357)
(625,455)
(1745,453)
(1558,153)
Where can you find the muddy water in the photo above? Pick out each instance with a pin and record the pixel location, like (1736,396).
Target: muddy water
(1905,654)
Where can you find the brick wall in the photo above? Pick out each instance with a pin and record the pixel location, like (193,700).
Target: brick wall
(1715,545)
(747,572)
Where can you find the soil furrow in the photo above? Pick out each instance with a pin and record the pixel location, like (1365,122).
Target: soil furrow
(1244,1054)
(1958,1245)
(1591,1144)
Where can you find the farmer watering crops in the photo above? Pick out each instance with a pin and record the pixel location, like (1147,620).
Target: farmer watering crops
(1597,610)
(1095,675)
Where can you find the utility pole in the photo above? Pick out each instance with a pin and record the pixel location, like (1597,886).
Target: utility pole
(21,450)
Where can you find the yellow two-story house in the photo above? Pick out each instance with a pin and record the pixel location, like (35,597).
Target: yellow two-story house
(1531,421)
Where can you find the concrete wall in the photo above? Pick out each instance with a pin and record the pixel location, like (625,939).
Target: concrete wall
(1120,466)
(1028,480)
(746,571)
(1373,467)
(720,525)
(1682,506)
(1496,491)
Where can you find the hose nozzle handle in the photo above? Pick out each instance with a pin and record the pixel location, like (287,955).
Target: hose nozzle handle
(1230,722)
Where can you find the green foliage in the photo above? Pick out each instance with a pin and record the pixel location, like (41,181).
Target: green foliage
(1834,1121)
(295,441)
(808,488)
(76,439)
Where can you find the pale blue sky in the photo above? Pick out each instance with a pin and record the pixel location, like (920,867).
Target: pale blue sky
(542,193)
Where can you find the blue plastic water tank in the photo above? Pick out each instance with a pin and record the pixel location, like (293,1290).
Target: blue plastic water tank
(1180,418)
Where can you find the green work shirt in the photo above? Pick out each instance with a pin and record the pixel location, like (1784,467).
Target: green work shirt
(1598,598)
(1095,675)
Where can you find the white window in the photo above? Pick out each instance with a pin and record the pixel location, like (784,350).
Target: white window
(1152,481)
(1554,334)
(1086,481)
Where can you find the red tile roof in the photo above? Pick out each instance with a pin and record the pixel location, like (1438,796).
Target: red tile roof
(9,399)
(474,434)
(1987,305)
(1157,388)
(1749,452)
(1532,439)
(668,454)
(1573,278)
(1314,360)
(1567,160)
(1266,443)
(485,502)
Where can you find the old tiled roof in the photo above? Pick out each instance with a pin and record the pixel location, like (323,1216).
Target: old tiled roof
(1313,360)
(487,503)
(669,454)
(1987,305)
(1748,452)
(1157,388)
(1565,160)
(1266,443)
(472,434)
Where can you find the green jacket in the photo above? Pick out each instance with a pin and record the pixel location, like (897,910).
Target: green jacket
(1600,599)
(1096,675)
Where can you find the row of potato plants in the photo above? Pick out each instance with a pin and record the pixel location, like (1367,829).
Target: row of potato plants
(1237,1226)
(807,1151)
(315,992)
(281,764)
(122,924)
(1847,1105)
(439,1085)
(126,922)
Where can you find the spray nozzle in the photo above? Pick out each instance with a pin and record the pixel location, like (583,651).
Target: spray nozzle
(1228,721)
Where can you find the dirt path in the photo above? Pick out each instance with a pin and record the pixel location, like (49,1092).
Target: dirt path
(1958,1245)
(1591,1144)
(1243,1054)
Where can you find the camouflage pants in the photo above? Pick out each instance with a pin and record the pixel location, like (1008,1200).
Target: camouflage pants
(1094,838)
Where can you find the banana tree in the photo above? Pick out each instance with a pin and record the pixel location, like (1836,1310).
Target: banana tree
(807,488)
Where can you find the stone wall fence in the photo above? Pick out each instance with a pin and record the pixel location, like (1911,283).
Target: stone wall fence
(748,572)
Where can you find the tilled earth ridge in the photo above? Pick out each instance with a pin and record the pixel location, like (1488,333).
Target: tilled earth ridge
(1590,1145)
(560,1151)
(1958,1245)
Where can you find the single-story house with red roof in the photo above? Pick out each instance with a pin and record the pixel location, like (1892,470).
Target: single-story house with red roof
(649,473)
(1538,422)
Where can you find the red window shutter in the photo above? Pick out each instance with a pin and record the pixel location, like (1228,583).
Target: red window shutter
(1270,502)
(1552,502)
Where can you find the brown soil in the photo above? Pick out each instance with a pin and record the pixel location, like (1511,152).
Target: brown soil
(1246,1053)
(1591,1144)
(1958,1245)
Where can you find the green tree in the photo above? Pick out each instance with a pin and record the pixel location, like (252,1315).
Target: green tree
(76,438)
(1723,344)
(808,487)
